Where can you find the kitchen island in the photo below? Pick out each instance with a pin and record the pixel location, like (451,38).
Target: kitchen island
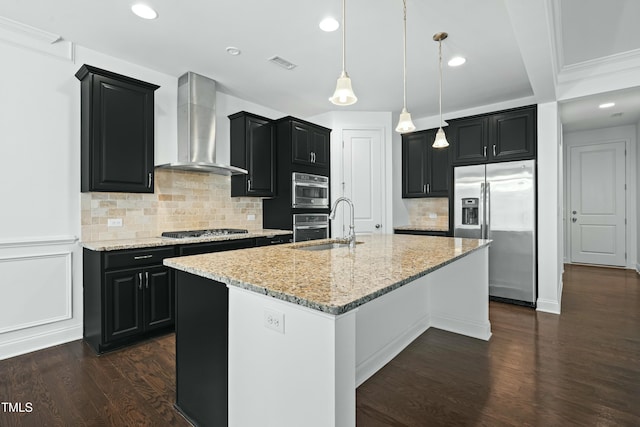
(282,335)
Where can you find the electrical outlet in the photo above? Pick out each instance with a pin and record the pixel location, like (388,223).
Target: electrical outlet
(433,215)
(274,320)
(114,222)
(251,217)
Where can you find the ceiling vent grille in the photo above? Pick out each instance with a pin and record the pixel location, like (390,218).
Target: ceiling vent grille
(282,63)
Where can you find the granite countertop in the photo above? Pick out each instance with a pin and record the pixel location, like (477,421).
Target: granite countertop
(334,281)
(421,228)
(150,242)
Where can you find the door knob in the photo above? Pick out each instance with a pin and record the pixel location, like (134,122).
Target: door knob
(574,212)
(378,225)
(574,219)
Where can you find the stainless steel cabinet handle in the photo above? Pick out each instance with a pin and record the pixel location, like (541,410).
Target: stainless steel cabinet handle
(484,151)
(143,257)
(494,149)
(248,185)
(311,156)
(149,182)
(146,279)
(428,188)
(140,281)
(424,188)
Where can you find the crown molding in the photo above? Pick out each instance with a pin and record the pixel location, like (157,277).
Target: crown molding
(36,39)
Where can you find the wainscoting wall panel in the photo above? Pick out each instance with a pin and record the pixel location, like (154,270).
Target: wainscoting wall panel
(40,293)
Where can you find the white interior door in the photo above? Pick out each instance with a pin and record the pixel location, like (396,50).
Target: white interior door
(597,212)
(363,170)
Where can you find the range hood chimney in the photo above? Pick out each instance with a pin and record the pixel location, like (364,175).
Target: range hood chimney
(197,127)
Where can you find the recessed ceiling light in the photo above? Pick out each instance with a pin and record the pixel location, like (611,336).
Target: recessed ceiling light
(144,11)
(329,24)
(233,51)
(607,105)
(456,61)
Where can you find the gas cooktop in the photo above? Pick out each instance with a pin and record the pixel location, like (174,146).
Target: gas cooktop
(203,233)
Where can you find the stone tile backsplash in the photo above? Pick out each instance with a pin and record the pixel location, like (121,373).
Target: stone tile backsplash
(182,201)
(422,212)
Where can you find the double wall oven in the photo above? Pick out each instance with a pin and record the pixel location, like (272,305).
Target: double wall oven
(309,206)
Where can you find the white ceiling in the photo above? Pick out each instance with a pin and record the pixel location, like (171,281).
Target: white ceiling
(193,35)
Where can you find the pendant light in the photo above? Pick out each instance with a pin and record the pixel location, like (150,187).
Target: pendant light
(344,93)
(404,122)
(441,139)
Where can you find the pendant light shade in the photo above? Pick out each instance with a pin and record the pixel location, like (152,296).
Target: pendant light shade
(344,94)
(405,124)
(441,139)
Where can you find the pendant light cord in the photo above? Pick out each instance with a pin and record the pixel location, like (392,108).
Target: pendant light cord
(440,62)
(404,63)
(344,56)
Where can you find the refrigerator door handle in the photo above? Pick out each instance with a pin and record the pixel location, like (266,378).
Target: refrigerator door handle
(482,211)
(488,204)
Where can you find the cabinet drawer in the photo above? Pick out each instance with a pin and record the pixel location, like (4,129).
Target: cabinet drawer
(136,257)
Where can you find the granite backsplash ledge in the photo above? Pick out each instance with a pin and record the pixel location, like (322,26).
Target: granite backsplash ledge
(182,201)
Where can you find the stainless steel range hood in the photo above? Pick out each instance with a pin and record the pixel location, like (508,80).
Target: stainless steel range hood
(197,127)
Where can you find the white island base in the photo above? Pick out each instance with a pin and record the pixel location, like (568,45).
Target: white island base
(307,375)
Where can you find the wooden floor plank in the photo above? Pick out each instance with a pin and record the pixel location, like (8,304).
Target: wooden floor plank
(539,369)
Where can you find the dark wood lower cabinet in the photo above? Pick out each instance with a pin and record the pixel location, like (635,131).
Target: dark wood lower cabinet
(128,295)
(202,336)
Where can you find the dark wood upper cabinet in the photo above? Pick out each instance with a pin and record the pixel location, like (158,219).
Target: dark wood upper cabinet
(426,171)
(501,136)
(309,144)
(117,134)
(253,149)
(513,135)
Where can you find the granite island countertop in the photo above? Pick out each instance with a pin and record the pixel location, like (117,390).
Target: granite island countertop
(150,242)
(334,281)
(421,228)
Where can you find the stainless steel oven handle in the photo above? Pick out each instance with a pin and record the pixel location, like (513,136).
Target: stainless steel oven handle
(311,227)
(311,184)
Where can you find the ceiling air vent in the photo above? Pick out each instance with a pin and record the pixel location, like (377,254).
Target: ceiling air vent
(282,62)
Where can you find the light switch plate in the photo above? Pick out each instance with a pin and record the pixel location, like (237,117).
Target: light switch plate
(114,222)
(433,215)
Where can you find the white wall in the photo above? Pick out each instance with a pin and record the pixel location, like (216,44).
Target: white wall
(605,135)
(40,224)
(40,149)
(550,250)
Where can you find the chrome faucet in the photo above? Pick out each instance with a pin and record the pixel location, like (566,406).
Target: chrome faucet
(351,237)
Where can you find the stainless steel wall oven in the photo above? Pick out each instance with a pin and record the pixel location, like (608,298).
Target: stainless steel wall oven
(309,191)
(310,226)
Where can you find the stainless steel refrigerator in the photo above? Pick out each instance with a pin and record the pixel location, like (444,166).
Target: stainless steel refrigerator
(498,201)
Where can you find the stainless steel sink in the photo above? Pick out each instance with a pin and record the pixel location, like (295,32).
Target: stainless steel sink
(325,246)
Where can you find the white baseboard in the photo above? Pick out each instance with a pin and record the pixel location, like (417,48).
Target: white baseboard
(548,306)
(375,362)
(480,331)
(28,343)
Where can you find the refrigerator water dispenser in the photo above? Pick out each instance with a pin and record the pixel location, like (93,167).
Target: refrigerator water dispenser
(470,211)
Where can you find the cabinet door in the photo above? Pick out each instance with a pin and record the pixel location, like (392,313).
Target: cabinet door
(121,136)
(123,304)
(260,157)
(414,165)
(301,144)
(468,139)
(513,135)
(438,171)
(159,306)
(320,149)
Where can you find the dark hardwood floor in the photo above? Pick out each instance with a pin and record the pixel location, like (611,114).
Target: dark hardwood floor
(581,368)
